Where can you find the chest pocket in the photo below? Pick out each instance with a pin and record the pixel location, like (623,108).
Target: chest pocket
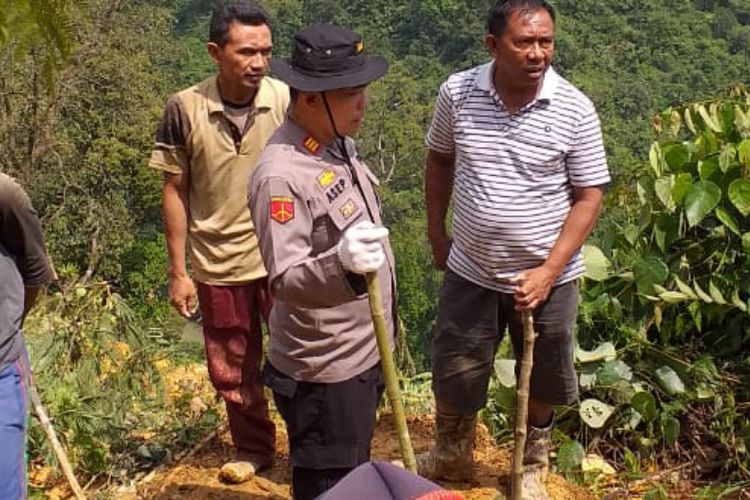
(342,212)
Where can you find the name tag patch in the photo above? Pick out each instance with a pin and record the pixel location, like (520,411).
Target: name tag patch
(336,190)
(348,209)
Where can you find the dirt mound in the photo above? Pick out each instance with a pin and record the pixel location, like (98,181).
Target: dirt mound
(197,477)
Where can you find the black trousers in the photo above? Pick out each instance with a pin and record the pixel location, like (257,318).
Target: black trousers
(330,426)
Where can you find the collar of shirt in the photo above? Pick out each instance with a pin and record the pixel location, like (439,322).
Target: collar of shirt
(264,98)
(299,137)
(485,82)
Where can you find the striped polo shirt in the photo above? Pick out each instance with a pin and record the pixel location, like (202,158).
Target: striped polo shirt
(514,173)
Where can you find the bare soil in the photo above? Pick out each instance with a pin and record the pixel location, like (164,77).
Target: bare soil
(197,477)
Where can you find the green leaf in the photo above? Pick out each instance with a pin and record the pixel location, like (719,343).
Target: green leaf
(595,413)
(684,288)
(700,201)
(708,167)
(645,404)
(671,429)
(672,297)
(669,380)
(689,121)
(603,352)
(654,157)
(710,122)
(746,244)
(727,157)
(675,123)
(613,371)
(701,294)
(505,369)
(744,153)
(597,264)
(676,157)
(666,228)
(737,301)
(648,272)
(570,455)
(728,220)
(739,195)
(715,294)
(682,185)
(663,187)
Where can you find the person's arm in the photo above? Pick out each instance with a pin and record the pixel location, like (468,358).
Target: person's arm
(21,234)
(182,294)
(586,163)
(295,276)
(171,157)
(535,284)
(439,172)
(438,188)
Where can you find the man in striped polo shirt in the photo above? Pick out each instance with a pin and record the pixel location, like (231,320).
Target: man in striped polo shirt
(522,149)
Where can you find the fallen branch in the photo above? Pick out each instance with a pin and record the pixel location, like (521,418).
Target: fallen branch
(62,458)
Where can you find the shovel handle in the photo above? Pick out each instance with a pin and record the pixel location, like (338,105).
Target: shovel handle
(392,390)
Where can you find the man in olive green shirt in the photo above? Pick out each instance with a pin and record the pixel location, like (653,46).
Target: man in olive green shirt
(207,144)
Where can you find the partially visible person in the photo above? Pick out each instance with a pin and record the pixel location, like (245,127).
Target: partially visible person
(385,481)
(315,207)
(24,270)
(207,144)
(520,150)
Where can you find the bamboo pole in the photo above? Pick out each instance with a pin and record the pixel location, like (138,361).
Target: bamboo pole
(522,404)
(62,458)
(389,371)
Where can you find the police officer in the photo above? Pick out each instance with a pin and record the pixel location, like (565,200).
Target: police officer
(317,215)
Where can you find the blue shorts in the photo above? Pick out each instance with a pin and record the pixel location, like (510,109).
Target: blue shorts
(14,386)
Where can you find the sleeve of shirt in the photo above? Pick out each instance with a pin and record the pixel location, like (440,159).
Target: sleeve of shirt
(21,234)
(170,148)
(440,135)
(587,161)
(283,223)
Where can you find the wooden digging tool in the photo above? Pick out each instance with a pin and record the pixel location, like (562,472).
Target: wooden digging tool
(522,404)
(62,458)
(389,371)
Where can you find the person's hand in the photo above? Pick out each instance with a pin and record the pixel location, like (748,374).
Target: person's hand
(441,247)
(360,249)
(533,287)
(182,295)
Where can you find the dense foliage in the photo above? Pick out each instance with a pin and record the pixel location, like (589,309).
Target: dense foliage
(667,295)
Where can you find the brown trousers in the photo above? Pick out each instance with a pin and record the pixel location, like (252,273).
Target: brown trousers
(234,348)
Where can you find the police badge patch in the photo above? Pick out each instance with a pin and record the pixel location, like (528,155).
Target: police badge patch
(282,209)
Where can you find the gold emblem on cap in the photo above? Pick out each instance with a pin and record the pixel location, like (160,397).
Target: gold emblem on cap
(360,46)
(311,144)
(326,178)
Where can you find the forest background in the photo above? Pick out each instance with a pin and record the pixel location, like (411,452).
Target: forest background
(664,330)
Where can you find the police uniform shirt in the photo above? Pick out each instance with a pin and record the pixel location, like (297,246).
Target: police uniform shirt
(302,197)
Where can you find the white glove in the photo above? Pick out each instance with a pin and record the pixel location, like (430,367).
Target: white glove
(360,250)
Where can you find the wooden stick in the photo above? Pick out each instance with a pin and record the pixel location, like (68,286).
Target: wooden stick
(62,458)
(389,371)
(522,404)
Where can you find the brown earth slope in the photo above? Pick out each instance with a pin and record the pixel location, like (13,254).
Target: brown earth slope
(197,477)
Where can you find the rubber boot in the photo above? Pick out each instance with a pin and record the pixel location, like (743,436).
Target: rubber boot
(536,463)
(452,456)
